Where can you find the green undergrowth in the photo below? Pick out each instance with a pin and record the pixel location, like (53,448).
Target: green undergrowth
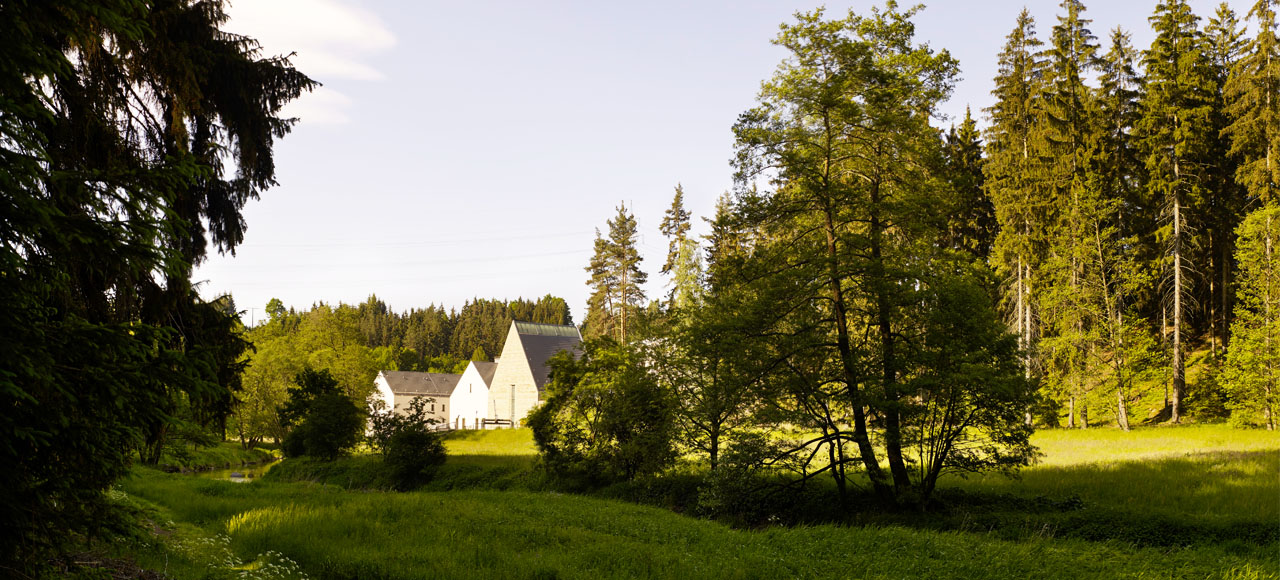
(219,456)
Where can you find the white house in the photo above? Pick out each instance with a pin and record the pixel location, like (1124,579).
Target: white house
(521,374)
(398,388)
(470,400)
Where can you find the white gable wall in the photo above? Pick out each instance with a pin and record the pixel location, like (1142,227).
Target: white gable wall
(513,393)
(382,391)
(470,401)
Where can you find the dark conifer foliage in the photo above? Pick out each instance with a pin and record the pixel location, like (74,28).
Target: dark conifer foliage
(971,226)
(114,127)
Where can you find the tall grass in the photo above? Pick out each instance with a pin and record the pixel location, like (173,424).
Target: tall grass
(339,534)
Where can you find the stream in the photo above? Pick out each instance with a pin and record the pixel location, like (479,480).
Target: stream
(241,474)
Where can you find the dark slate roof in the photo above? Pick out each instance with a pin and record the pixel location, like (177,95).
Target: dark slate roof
(415,383)
(540,341)
(486,371)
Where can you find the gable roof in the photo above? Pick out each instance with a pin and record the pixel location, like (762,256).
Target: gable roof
(423,384)
(541,341)
(486,370)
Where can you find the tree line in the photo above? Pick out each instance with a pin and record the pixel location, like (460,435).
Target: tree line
(1125,209)
(352,343)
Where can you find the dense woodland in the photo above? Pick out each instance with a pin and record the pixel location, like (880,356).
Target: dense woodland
(888,298)
(879,302)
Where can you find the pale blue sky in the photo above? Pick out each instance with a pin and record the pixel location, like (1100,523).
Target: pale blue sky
(470,149)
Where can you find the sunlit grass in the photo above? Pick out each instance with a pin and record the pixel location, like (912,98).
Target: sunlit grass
(1190,502)
(1107,445)
(339,534)
(495,442)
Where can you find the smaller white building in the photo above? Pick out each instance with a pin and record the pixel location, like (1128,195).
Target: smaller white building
(399,388)
(470,400)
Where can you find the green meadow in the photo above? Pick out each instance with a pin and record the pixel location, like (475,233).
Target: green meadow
(1187,502)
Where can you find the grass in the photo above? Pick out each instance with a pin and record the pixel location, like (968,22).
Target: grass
(1194,502)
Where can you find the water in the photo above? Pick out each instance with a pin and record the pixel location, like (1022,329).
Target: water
(242,474)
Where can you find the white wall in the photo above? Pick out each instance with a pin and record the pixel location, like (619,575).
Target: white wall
(512,383)
(470,400)
(383,391)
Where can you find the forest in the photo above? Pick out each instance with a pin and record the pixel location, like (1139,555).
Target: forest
(885,319)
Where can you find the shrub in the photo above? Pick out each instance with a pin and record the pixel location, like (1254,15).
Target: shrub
(606,418)
(412,456)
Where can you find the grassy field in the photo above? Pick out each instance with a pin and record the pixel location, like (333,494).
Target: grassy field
(1195,502)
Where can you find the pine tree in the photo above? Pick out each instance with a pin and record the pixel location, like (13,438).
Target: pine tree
(675,226)
(616,279)
(1015,176)
(1175,137)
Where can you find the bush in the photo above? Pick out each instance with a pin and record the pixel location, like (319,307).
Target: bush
(325,421)
(606,418)
(412,456)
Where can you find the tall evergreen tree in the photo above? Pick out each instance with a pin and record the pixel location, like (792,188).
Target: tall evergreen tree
(1225,197)
(616,279)
(1175,132)
(675,226)
(1115,226)
(132,134)
(1070,132)
(971,226)
(1015,176)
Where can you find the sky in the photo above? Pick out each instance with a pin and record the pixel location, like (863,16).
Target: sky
(471,149)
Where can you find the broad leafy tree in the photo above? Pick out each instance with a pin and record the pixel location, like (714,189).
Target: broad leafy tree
(848,164)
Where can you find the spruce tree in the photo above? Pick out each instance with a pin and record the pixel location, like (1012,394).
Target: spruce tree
(1015,176)
(1175,133)
(971,225)
(1116,225)
(1225,197)
(675,226)
(1253,104)
(1253,97)
(1071,137)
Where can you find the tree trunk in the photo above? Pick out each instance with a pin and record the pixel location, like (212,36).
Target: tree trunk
(1179,366)
(1122,413)
(1271,326)
(849,367)
(888,351)
(1071,412)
